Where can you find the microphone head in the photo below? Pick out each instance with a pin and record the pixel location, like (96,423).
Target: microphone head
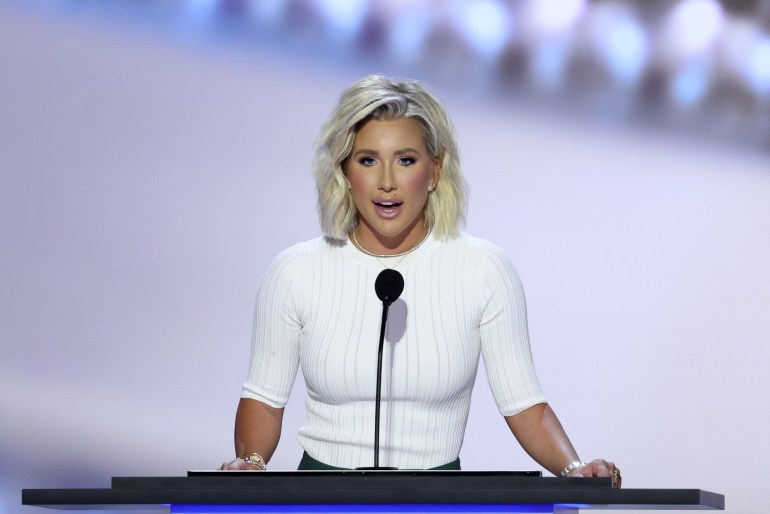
(389,285)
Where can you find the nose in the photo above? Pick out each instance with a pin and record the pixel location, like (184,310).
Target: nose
(387,180)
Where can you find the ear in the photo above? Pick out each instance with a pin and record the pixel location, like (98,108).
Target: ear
(435,171)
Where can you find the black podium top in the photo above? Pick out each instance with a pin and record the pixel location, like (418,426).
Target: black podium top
(371,488)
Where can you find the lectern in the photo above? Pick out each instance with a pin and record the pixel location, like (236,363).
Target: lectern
(299,492)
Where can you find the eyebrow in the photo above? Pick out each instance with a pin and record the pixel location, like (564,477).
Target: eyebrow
(367,151)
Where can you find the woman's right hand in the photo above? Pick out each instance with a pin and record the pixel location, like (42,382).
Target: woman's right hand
(238,465)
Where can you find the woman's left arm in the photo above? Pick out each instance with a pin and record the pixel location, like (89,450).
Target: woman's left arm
(540,433)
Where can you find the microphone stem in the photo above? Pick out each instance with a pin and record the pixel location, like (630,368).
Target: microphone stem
(385,306)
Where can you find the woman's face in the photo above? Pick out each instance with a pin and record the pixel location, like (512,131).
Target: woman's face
(389,171)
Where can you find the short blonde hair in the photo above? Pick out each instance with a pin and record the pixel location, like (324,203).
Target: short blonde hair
(381,98)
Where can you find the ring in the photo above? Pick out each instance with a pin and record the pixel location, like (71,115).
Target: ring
(615,475)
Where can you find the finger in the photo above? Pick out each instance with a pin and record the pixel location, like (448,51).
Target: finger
(233,465)
(596,468)
(242,465)
(578,472)
(600,468)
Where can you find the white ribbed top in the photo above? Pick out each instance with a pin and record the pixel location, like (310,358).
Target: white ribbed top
(317,307)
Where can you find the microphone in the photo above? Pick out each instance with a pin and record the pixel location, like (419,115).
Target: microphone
(389,285)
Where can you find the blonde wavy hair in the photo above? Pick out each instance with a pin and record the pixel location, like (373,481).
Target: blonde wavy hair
(382,98)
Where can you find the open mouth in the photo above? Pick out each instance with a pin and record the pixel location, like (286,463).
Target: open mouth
(387,209)
(388,205)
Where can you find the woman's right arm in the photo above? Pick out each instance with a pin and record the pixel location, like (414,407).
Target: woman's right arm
(274,362)
(257,430)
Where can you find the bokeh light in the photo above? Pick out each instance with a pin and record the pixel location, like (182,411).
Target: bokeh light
(620,42)
(612,57)
(693,26)
(485,24)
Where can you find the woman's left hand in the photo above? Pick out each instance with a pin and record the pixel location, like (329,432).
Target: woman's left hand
(599,468)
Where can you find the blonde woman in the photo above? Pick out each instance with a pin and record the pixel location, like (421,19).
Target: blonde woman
(391,195)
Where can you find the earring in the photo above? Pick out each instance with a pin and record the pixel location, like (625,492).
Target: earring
(431,188)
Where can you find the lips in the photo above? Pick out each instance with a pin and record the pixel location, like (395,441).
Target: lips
(387,208)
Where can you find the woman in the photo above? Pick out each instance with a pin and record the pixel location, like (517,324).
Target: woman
(391,195)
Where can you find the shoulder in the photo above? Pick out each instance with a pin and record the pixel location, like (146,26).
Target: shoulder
(485,260)
(296,258)
(481,250)
(306,250)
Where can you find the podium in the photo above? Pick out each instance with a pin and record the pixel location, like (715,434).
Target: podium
(300,492)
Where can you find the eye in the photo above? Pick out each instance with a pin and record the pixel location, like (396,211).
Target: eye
(407,161)
(366,161)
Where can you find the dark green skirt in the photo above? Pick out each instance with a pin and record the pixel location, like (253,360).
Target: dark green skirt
(308,463)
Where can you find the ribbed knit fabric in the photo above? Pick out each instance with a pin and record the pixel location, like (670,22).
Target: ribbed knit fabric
(317,308)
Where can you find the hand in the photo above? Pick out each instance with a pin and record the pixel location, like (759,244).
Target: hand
(599,468)
(238,465)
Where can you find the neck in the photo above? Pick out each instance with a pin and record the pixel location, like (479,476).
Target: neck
(373,243)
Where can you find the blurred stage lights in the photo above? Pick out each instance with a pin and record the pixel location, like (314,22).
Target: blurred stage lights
(620,42)
(660,55)
(547,17)
(758,67)
(268,13)
(689,86)
(692,28)
(548,63)
(485,24)
(200,12)
(408,34)
(343,18)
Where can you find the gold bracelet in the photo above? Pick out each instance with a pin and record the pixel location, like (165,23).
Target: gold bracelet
(255,460)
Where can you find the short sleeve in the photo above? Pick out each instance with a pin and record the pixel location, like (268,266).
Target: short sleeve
(275,335)
(504,337)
